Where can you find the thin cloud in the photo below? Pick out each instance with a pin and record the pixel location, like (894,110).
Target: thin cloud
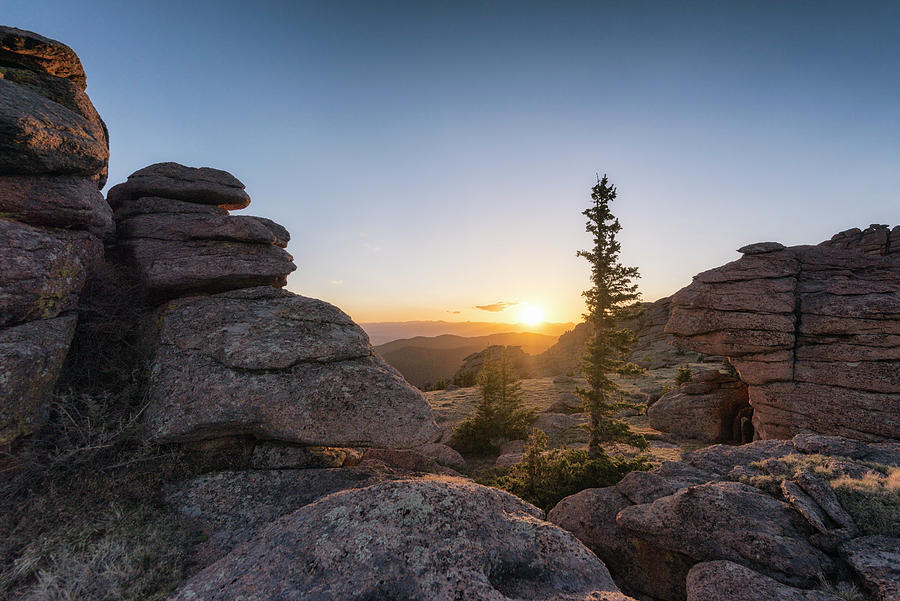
(454,312)
(337,282)
(498,306)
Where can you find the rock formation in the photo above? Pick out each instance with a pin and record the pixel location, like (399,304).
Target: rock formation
(234,355)
(813,330)
(438,539)
(655,529)
(877,239)
(712,407)
(53,160)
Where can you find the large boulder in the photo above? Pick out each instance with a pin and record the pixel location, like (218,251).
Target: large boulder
(877,239)
(713,407)
(31,356)
(275,365)
(203,185)
(434,538)
(729,581)
(813,330)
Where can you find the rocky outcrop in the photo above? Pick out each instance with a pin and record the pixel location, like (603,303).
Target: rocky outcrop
(877,239)
(712,407)
(653,348)
(274,365)
(748,505)
(813,330)
(436,539)
(234,356)
(53,156)
(472,365)
(174,227)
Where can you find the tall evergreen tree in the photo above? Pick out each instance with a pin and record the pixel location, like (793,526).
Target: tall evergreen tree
(612,296)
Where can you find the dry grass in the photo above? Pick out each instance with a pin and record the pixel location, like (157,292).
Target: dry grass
(870,492)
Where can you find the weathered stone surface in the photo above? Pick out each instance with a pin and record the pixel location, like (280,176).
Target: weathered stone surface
(278,231)
(149,205)
(887,453)
(37,53)
(562,428)
(728,581)
(877,239)
(43,270)
(58,89)
(759,248)
(877,560)
(713,407)
(170,269)
(203,185)
(720,459)
(440,539)
(232,506)
(31,356)
(443,454)
(814,331)
(184,227)
(56,201)
(39,136)
(275,365)
(639,567)
(274,455)
(729,520)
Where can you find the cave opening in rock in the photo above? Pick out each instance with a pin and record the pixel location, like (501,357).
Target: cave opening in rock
(738,424)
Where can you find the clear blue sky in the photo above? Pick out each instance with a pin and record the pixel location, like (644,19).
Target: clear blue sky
(430,157)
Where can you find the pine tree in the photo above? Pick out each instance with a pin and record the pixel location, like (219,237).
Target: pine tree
(612,296)
(500,412)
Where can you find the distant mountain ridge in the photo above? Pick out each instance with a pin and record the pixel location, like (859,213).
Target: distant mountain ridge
(427,359)
(387,331)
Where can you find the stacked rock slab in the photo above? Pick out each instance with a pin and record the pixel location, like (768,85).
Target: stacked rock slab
(877,239)
(813,330)
(53,161)
(712,407)
(235,356)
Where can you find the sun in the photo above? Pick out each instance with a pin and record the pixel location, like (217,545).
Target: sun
(531,315)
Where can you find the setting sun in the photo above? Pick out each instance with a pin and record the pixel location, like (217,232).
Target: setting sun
(531,315)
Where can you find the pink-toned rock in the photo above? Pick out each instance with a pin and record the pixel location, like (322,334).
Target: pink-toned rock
(277,366)
(728,520)
(434,538)
(443,454)
(56,201)
(203,185)
(728,581)
(43,270)
(713,407)
(31,356)
(877,239)
(813,330)
(638,567)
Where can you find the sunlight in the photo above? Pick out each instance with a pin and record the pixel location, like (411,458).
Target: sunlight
(531,315)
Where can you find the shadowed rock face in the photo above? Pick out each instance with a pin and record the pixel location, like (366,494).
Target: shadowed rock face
(53,156)
(440,539)
(271,364)
(814,331)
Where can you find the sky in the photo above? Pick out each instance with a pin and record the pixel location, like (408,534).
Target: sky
(429,158)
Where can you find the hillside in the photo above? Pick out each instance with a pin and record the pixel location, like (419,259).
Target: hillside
(385,331)
(427,359)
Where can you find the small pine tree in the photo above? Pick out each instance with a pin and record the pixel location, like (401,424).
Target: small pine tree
(612,297)
(683,374)
(500,413)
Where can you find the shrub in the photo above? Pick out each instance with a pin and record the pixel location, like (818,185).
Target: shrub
(499,415)
(730,369)
(466,379)
(683,374)
(543,477)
